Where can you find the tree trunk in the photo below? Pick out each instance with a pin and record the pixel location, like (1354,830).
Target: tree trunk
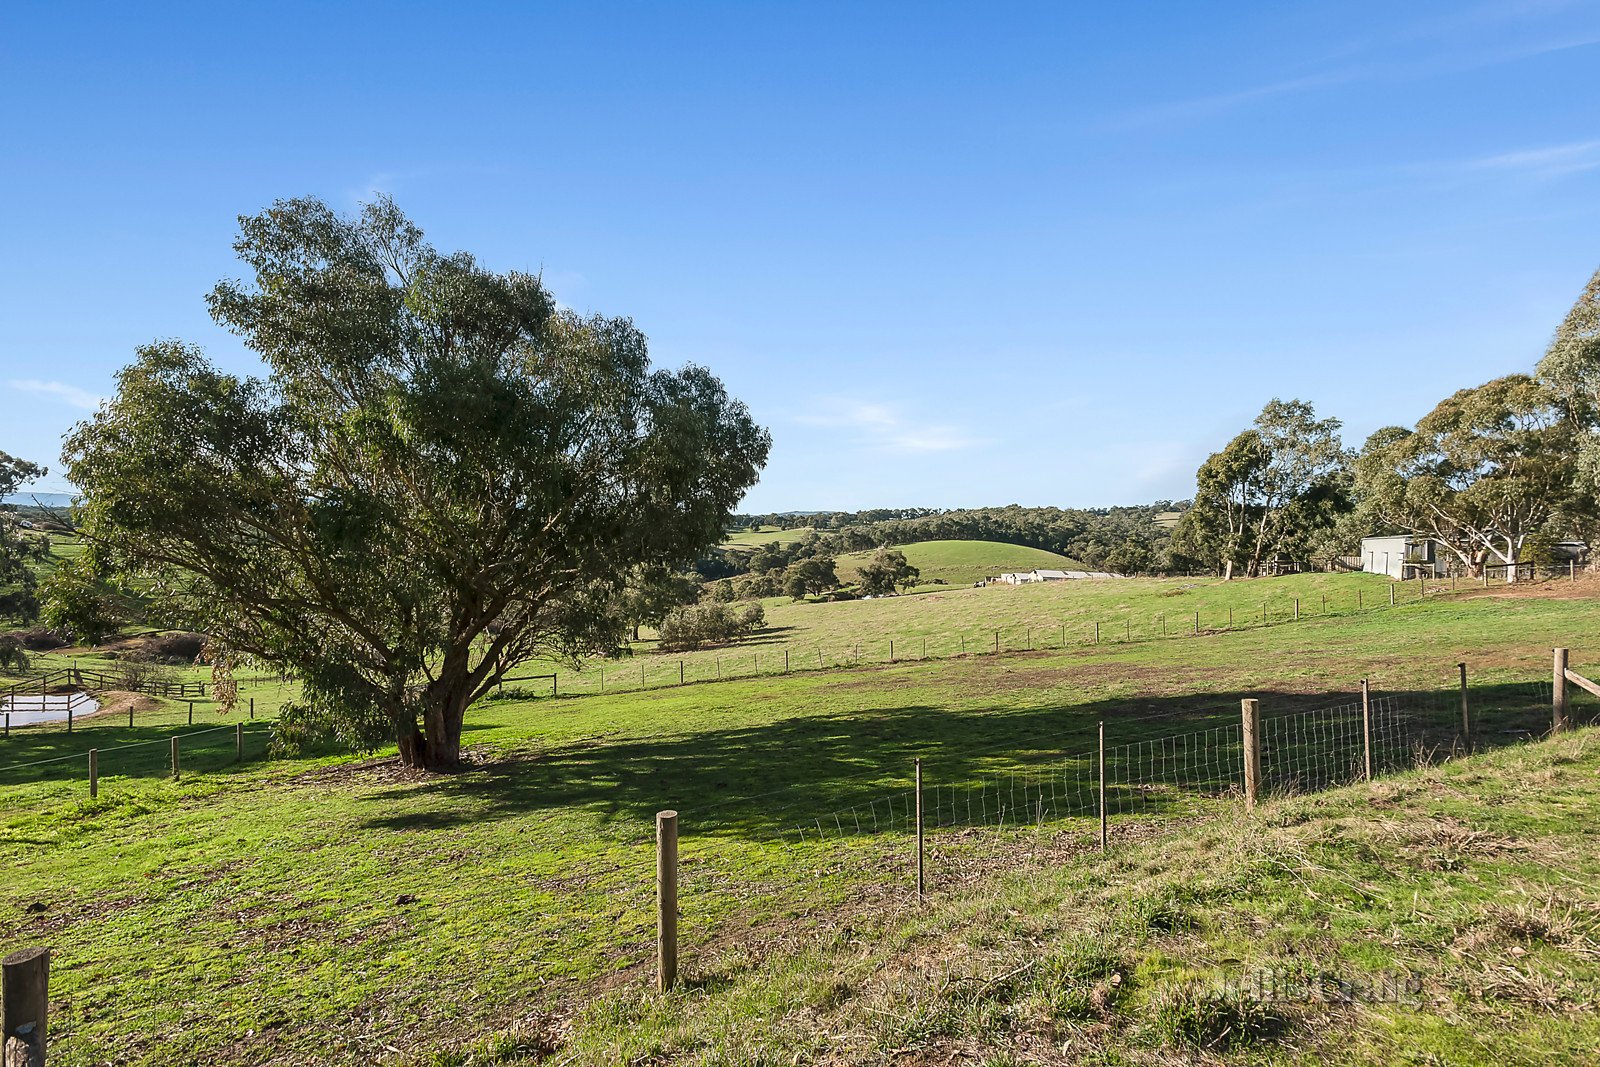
(436,745)
(1512,555)
(1227,571)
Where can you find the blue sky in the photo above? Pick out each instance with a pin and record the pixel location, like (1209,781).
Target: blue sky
(949,255)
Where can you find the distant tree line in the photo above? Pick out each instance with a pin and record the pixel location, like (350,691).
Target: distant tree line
(1493,476)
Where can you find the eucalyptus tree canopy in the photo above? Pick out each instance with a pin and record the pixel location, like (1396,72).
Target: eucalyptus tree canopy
(1571,367)
(1266,491)
(440,475)
(19,549)
(1481,473)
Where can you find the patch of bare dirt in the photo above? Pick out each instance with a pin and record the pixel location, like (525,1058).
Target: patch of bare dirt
(120,702)
(172,647)
(1586,587)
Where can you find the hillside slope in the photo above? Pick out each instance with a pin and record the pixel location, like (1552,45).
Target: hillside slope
(963,562)
(1450,915)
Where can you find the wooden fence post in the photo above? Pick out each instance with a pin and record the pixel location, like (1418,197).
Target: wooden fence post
(94,773)
(1250,709)
(1103,826)
(1197,622)
(1296,609)
(1097,633)
(238,742)
(680,668)
(997,642)
(785,663)
(69,713)
(1466,719)
(666,900)
(921,884)
(1391,594)
(130,714)
(1366,730)
(891,650)
(174,757)
(252,708)
(191,713)
(25,991)
(1558,692)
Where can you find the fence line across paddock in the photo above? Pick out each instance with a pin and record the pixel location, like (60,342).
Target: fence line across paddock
(710,857)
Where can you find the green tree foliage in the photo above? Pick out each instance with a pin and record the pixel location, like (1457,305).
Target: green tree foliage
(1268,492)
(886,572)
(709,623)
(79,604)
(20,550)
(652,592)
(1571,367)
(441,475)
(1481,473)
(810,576)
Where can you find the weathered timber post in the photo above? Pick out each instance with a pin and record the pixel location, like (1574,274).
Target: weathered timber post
(921,884)
(1296,609)
(680,668)
(997,642)
(1366,730)
(1127,630)
(174,757)
(602,679)
(1358,600)
(1572,570)
(1250,709)
(94,773)
(1163,624)
(1197,622)
(25,990)
(555,682)
(1097,633)
(1103,826)
(891,650)
(1466,719)
(1324,603)
(1391,594)
(130,714)
(8,721)
(666,900)
(238,742)
(1558,692)
(924,648)
(69,713)
(252,709)
(191,713)
(785,662)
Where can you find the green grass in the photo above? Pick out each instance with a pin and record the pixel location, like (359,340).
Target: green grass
(229,914)
(765,536)
(964,562)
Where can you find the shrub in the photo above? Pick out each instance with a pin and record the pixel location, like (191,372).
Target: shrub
(710,623)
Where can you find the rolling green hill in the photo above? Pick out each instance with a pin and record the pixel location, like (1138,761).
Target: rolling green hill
(964,562)
(764,536)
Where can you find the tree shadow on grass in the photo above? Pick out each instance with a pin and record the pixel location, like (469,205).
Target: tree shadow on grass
(759,781)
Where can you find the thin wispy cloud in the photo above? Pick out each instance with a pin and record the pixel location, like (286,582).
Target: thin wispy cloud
(70,394)
(1550,161)
(885,427)
(1373,70)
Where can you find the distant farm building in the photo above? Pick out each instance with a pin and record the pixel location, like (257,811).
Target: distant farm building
(1401,556)
(1029,577)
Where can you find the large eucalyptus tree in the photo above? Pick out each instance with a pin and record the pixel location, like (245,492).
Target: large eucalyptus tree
(439,475)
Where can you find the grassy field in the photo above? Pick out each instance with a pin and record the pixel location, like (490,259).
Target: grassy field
(950,621)
(765,536)
(478,917)
(963,562)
